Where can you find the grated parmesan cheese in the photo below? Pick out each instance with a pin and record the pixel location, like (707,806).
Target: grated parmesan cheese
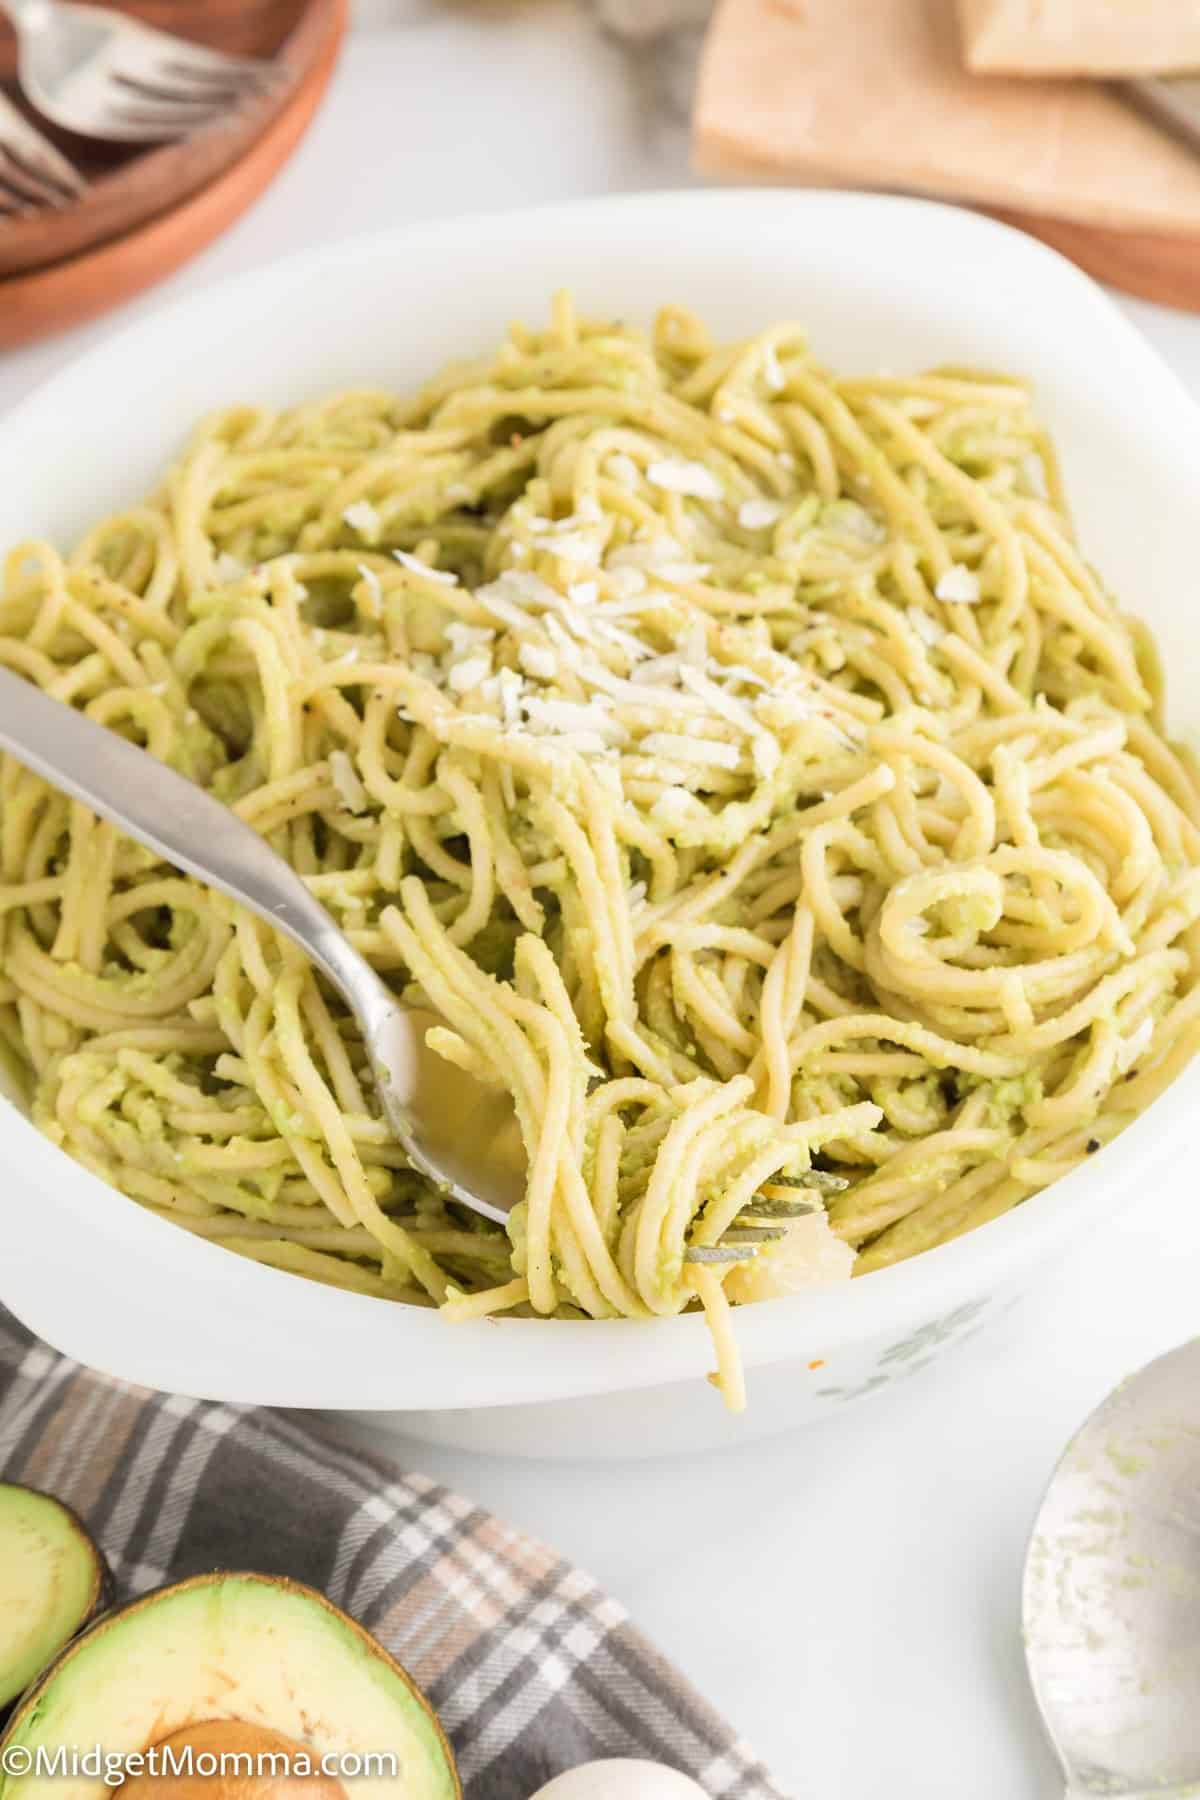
(571,546)
(959,585)
(692,644)
(510,685)
(371,582)
(363,518)
(757,515)
(926,627)
(765,754)
(228,568)
(566,716)
(464,676)
(690,478)
(675,807)
(538,660)
(659,671)
(707,752)
(417,567)
(465,637)
(627,583)
(345,778)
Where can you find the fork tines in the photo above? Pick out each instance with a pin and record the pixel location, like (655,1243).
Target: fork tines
(32,174)
(183,93)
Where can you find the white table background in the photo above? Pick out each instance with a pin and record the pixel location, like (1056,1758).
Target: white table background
(849,1596)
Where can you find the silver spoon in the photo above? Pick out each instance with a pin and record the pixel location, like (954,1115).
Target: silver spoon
(460,1133)
(1111,1598)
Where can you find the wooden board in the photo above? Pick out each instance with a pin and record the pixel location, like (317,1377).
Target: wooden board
(1150,264)
(48,299)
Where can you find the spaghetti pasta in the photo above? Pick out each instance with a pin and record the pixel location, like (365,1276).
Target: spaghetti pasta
(742,761)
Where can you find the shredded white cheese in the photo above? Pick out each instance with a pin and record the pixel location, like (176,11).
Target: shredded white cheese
(707,752)
(691,478)
(862,524)
(510,685)
(692,644)
(757,515)
(772,369)
(675,807)
(464,676)
(228,568)
(565,716)
(765,754)
(1032,471)
(959,585)
(538,660)
(659,671)
(627,584)
(466,637)
(417,567)
(371,582)
(363,518)
(571,546)
(345,778)
(926,627)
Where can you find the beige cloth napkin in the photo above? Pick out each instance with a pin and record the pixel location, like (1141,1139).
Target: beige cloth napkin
(1081,37)
(827,91)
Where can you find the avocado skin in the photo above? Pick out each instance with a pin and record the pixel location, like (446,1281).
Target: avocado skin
(103,1600)
(101,1621)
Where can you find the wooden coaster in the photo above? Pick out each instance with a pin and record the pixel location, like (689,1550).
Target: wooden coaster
(51,296)
(1150,264)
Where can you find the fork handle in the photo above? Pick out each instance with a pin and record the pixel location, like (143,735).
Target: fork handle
(178,821)
(29,15)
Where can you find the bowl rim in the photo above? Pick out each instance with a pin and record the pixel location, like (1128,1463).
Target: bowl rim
(499,1362)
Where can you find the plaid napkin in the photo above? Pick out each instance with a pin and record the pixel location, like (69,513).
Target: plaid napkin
(532,1668)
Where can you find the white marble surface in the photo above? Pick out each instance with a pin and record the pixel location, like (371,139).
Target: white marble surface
(850,1596)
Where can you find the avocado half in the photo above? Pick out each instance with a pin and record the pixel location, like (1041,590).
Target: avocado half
(264,1658)
(53,1582)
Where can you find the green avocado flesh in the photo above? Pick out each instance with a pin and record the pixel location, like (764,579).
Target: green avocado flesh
(52,1578)
(255,1648)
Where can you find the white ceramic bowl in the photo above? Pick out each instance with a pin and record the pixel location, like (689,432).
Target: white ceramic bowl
(880,283)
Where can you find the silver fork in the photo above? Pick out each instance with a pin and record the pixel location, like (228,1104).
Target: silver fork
(32,172)
(106,76)
(458,1132)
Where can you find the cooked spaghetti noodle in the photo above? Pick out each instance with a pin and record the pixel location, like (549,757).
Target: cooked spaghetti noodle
(742,761)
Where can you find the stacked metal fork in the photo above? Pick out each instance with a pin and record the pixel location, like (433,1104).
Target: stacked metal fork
(99,74)
(32,172)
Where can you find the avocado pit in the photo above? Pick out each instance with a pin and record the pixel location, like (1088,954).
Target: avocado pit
(248,1762)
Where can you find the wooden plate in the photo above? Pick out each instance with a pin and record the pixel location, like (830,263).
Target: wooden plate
(129,186)
(51,297)
(1150,264)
